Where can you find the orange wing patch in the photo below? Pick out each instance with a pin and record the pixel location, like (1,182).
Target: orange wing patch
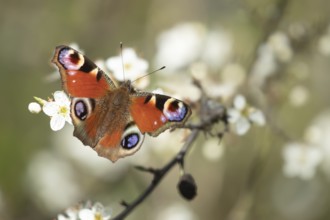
(111,140)
(81,84)
(146,116)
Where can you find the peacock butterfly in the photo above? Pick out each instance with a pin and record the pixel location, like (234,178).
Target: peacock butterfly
(109,118)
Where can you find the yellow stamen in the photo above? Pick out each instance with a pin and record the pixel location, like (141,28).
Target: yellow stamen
(63,110)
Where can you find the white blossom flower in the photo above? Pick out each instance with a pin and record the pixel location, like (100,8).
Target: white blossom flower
(232,76)
(301,160)
(86,211)
(52,181)
(180,88)
(242,115)
(264,66)
(134,66)
(58,110)
(298,95)
(275,50)
(96,212)
(180,45)
(281,46)
(317,134)
(324,45)
(34,107)
(186,43)
(217,49)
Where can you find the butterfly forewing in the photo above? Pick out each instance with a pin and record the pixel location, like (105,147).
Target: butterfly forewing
(80,76)
(154,113)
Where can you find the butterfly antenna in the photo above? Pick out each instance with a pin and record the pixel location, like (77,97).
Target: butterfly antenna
(122,59)
(163,67)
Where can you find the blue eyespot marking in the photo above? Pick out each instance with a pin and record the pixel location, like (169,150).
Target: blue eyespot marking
(176,112)
(130,141)
(80,110)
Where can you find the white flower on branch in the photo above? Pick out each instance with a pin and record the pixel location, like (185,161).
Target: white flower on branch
(180,45)
(128,65)
(324,45)
(277,49)
(264,66)
(281,46)
(86,211)
(317,133)
(186,43)
(301,160)
(298,96)
(242,116)
(58,109)
(57,179)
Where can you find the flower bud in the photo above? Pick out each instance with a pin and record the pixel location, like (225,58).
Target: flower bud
(34,107)
(187,186)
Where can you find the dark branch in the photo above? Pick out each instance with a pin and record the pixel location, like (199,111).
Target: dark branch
(157,178)
(209,114)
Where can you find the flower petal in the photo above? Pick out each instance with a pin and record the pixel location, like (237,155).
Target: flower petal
(141,65)
(61,217)
(61,98)
(86,214)
(68,119)
(50,108)
(115,65)
(256,116)
(129,54)
(239,102)
(242,126)
(233,115)
(57,122)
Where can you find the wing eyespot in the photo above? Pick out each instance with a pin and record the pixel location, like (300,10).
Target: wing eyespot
(80,110)
(131,138)
(130,141)
(82,107)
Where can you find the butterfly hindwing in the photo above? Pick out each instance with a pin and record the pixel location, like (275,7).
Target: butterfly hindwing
(154,113)
(120,143)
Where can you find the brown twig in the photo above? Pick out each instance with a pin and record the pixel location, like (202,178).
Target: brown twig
(158,176)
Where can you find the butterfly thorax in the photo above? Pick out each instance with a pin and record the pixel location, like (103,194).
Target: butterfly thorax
(113,111)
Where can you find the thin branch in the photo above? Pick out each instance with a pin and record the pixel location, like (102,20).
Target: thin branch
(129,207)
(209,115)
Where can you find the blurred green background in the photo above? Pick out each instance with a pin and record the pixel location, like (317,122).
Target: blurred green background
(245,183)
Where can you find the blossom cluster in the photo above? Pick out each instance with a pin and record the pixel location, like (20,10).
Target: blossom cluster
(58,108)
(86,211)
